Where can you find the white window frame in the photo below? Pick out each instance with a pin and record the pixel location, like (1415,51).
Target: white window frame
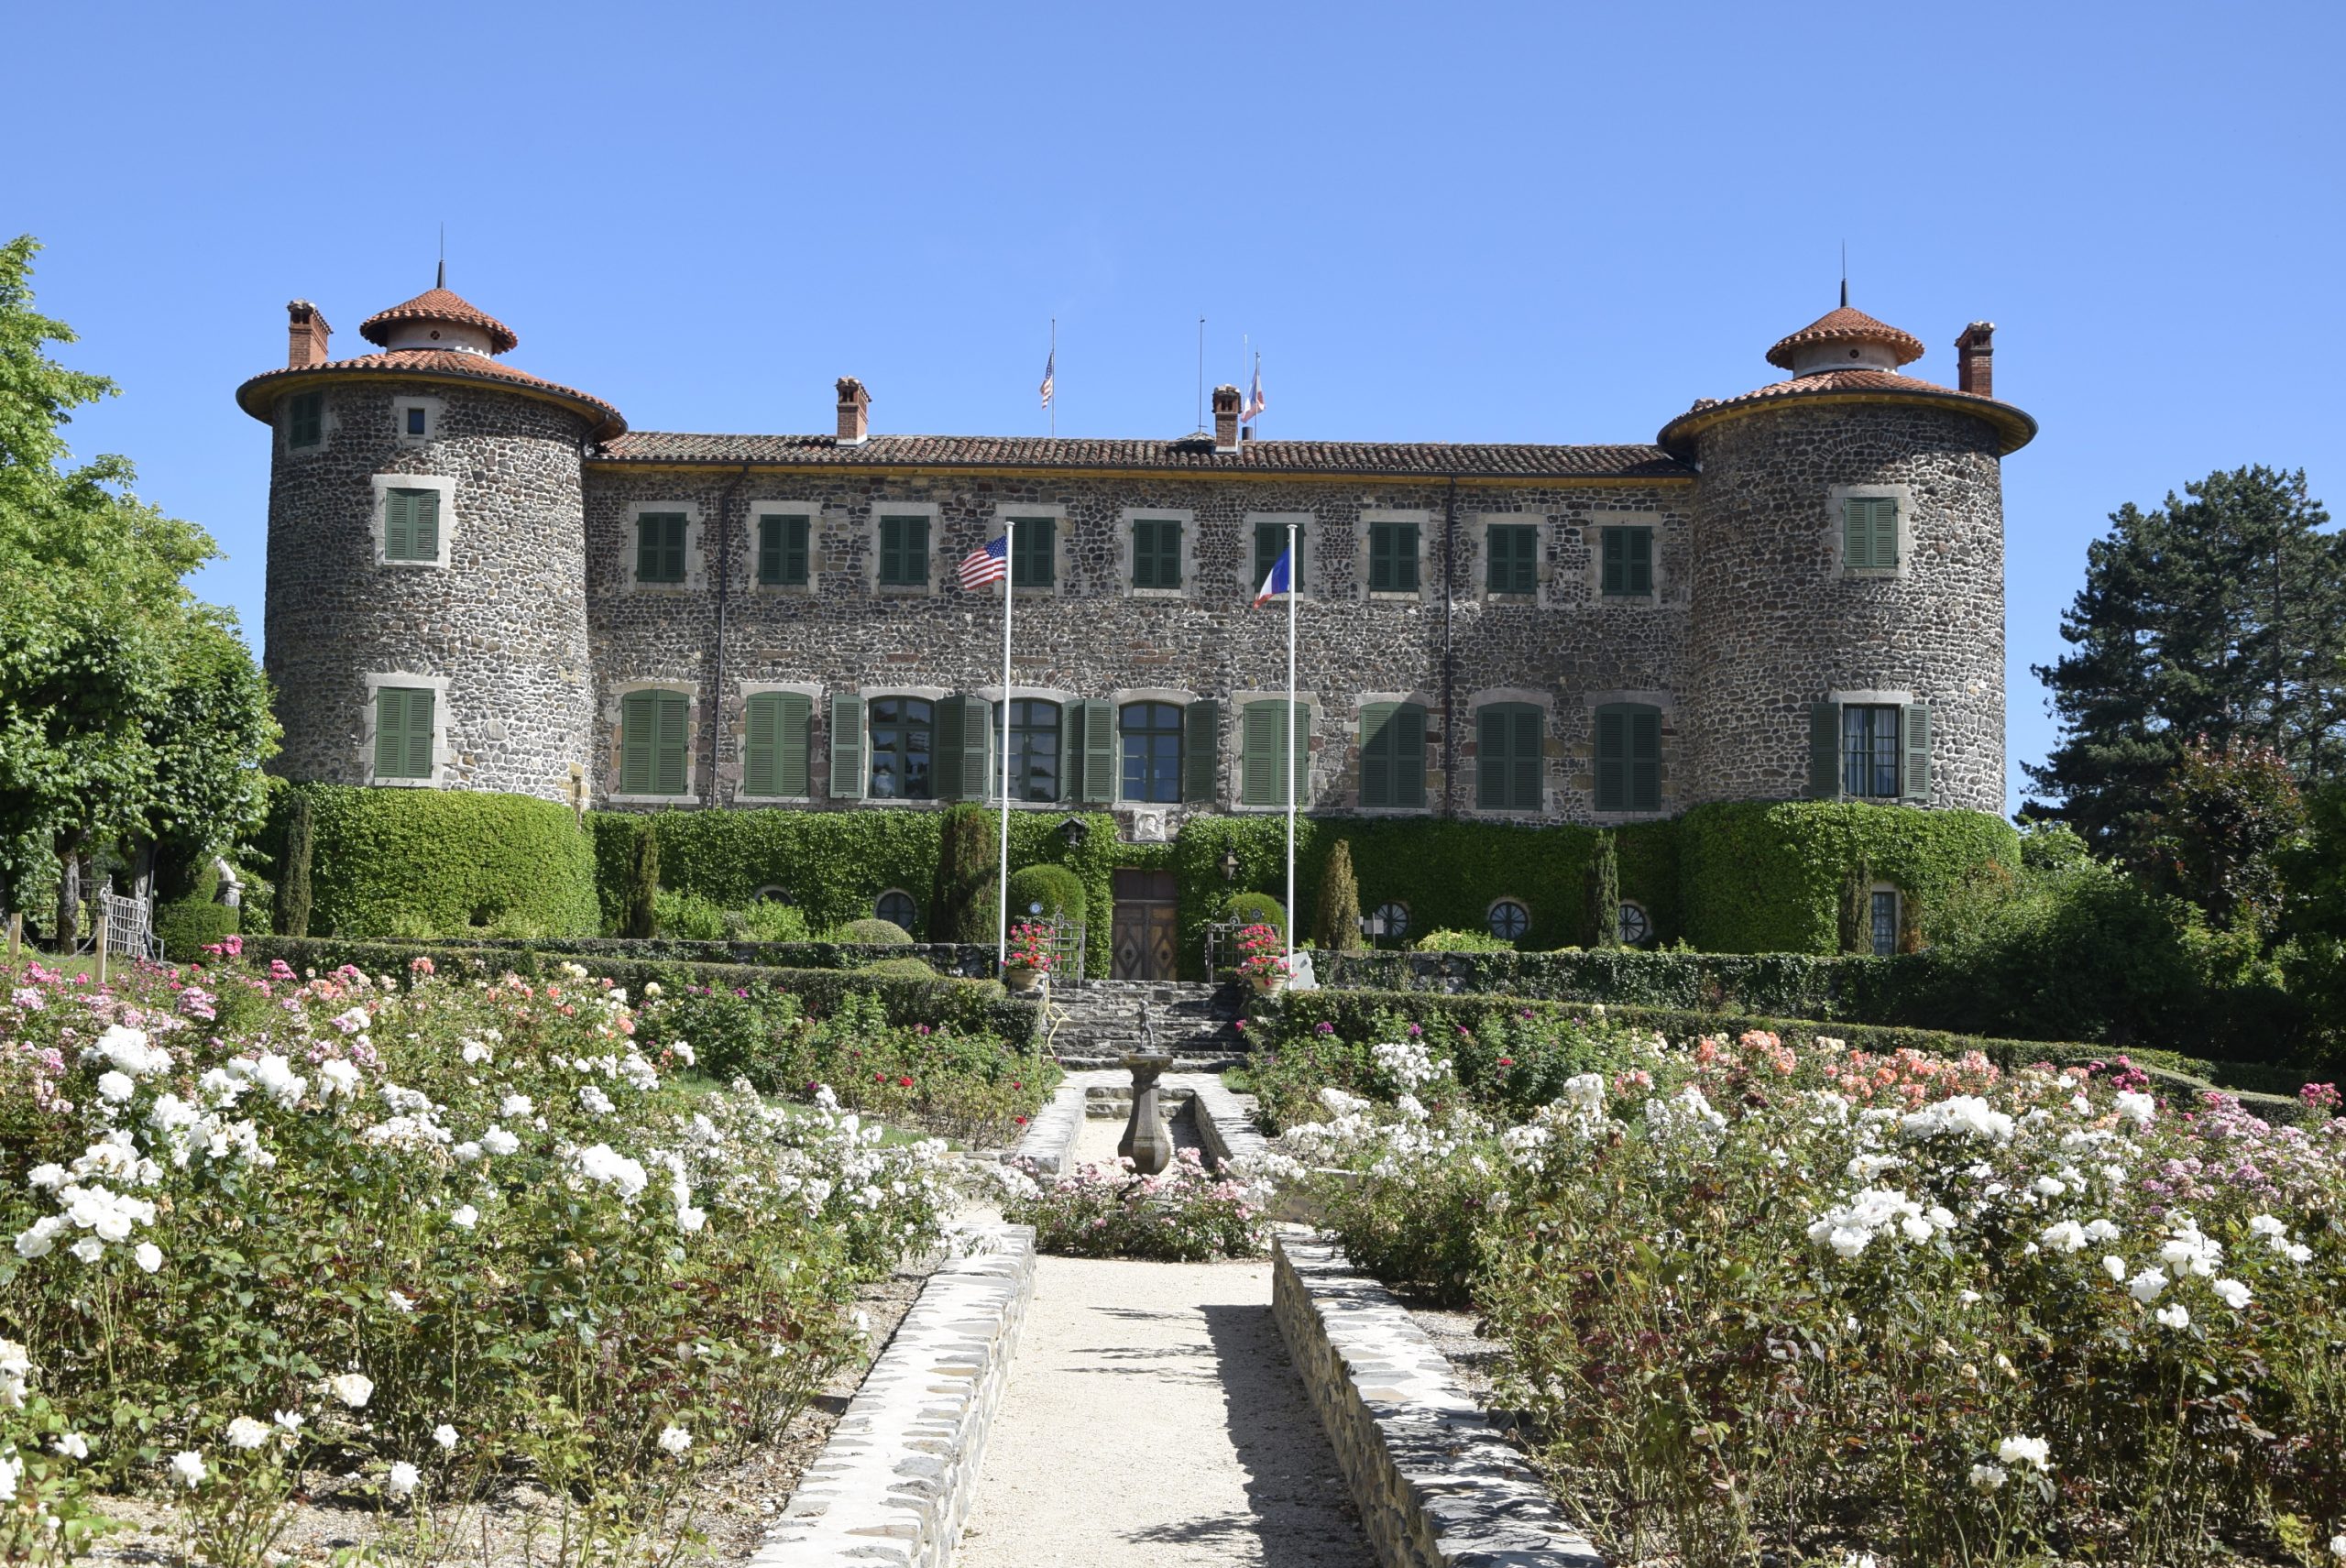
(1424,520)
(1128,516)
(695,554)
(813,512)
(432,408)
(936,552)
(378,520)
(1592,532)
(1542,525)
(441,754)
(1836,539)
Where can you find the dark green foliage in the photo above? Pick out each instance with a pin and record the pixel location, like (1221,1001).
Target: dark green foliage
(1857,909)
(190,925)
(903,969)
(386,859)
(2221,616)
(1335,919)
(879,933)
(642,917)
(1255,909)
(293,865)
(1604,894)
(1058,890)
(2218,824)
(961,900)
(973,1006)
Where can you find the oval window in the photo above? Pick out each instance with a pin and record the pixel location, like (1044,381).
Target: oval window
(1635,925)
(1509,920)
(896,907)
(1391,919)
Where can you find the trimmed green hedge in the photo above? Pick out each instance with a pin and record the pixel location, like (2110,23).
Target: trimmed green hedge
(384,860)
(1353,1014)
(971,1006)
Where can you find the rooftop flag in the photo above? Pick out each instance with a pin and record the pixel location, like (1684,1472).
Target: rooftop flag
(1255,403)
(1050,375)
(986,564)
(1279,580)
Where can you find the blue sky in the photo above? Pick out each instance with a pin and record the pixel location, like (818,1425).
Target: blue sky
(1465,223)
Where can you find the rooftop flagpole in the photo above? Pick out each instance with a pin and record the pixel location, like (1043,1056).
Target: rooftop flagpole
(1294,591)
(1001,890)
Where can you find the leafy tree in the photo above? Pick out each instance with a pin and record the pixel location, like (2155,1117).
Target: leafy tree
(2220,820)
(128,711)
(1337,912)
(2217,615)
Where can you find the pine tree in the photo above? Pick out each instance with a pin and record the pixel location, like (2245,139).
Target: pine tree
(1337,922)
(2216,617)
(1605,893)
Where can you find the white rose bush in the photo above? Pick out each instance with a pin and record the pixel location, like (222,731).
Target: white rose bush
(255,1226)
(1772,1303)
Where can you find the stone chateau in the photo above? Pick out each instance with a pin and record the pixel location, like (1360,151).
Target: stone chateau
(479,579)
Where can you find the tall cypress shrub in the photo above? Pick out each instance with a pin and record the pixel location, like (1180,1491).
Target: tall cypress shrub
(293,881)
(643,918)
(1337,922)
(1857,909)
(961,902)
(1605,893)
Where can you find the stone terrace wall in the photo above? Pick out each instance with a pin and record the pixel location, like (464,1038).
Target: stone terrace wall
(1092,637)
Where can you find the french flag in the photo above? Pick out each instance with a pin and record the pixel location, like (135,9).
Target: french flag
(1279,581)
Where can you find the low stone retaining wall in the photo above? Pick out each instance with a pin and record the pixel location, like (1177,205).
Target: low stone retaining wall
(1436,1485)
(893,1485)
(1225,1120)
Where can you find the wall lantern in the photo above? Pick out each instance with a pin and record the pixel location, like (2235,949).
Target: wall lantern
(1230,865)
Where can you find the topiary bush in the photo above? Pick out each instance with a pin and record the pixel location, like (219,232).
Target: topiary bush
(1335,918)
(903,969)
(1453,941)
(186,926)
(1058,890)
(886,933)
(1255,909)
(436,860)
(1605,894)
(293,865)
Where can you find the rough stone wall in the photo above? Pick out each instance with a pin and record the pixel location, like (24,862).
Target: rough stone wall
(1091,637)
(504,623)
(1777,625)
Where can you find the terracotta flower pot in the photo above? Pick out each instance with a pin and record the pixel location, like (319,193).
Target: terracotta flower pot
(1020,978)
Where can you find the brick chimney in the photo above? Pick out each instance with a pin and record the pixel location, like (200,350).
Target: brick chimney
(306,334)
(1226,419)
(855,412)
(1976,359)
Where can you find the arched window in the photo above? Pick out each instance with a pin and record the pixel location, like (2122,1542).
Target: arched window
(1152,742)
(1509,920)
(896,907)
(901,730)
(1033,750)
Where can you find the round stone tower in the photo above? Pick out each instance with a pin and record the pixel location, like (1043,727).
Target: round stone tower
(1848,576)
(427,598)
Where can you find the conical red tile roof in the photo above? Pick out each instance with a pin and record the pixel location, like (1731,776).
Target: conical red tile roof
(1846,324)
(441,306)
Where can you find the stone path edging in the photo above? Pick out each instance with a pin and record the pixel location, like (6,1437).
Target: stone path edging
(1436,1485)
(893,1485)
(1225,1120)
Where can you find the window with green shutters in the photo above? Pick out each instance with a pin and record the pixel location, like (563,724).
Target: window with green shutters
(1511,558)
(660,547)
(1508,764)
(1157,552)
(782,552)
(1393,755)
(652,743)
(403,717)
(1033,542)
(1264,750)
(1869,533)
(1270,541)
(1628,560)
(774,743)
(1869,752)
(1152,750)
(904,552)
(305,419)
(1628,757)
(1392,557)
(410,525)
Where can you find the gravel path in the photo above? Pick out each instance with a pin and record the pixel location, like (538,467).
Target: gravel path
(1154,1419)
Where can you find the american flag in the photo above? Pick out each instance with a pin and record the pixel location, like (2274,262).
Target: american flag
(986,564)
(1050,375)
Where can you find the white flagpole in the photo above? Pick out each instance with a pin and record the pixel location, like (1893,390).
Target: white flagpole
(1294,590)
(1002,891)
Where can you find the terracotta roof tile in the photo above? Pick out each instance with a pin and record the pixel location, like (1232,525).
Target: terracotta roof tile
(256,396)
(1847,326)
(440,306)
(1423,459)
(2016,429)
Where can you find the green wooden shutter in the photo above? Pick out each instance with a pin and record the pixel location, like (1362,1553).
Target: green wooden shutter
(1612,759)
(1914,779)
(770,532)
(639,740)
(1033,564)
(1885,533)
(1168,554)
(670,766)
(304,419)
(419,732)
(1512,559)
(1073,732)
(945,750)
(1408,752)
(1264,740)
(1525,760)
(761,723)
(792,710)
(1200,751)
(916,550)
(390,731)
(1824,750)
(1640,560)
(846,740)
(672,551)
(1645,758)
(423,526)
(1491,737)
(1377,754)
(797,544)
(1869,532)
(647,548)
(979,768)
(399,528)
(1099,779)
(1616,560)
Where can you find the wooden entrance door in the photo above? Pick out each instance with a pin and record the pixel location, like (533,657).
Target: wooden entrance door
(1145,940)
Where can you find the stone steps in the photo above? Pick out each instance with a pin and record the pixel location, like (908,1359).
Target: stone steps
(1098,1024)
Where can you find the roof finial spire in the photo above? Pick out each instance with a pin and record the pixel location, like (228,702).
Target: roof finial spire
(1845,274)
(441,281)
